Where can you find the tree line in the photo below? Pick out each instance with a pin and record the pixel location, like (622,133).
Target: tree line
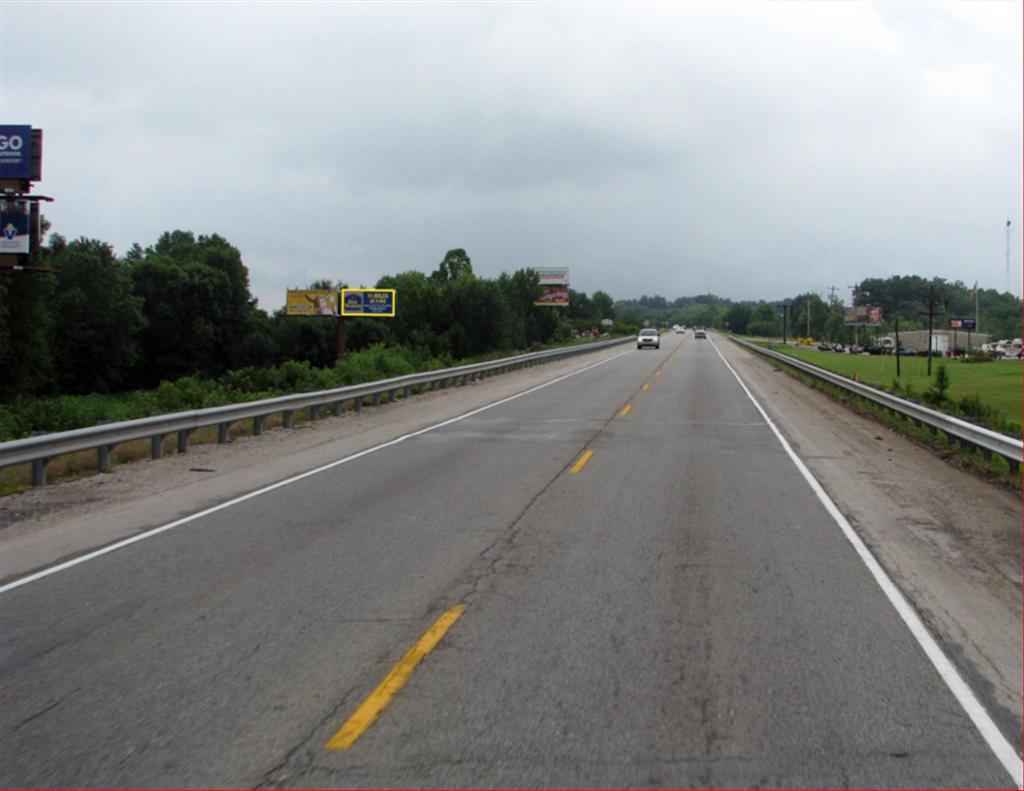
(100,323)
(999,313)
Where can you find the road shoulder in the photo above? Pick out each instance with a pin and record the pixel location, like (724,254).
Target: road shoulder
(950,540)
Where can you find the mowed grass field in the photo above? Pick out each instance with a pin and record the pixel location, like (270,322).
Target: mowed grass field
(998,383)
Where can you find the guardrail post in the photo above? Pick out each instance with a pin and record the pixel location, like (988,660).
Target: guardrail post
(39,472)
(103,457)
(314,412)
(337,408)
(1014,466)
(257,425)
(392,396)
(420,388)
(357,404)
(286,417)
(408,391)
(183,436)
(156,446)
(222,433)
(376,399)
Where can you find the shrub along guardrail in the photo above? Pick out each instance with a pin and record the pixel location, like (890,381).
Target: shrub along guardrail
(968,435)
(41,449)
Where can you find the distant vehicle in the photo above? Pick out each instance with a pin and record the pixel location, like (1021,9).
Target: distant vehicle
(648,338)
(700,334)
(679,329)
(824,347)
(907,352)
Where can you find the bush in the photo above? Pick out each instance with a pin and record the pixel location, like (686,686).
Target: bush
(26,416)
(936,394)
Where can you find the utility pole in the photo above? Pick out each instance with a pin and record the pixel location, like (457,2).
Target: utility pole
(853,300)
(808,317)
(931,317)
(897,345)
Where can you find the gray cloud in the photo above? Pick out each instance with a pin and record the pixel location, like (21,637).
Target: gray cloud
(752,150)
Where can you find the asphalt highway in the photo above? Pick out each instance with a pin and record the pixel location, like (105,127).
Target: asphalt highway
(627,583)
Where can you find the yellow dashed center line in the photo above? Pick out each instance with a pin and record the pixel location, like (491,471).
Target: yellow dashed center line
(646,386)
(657,373)
(582,462)
(625,410)
(392,684)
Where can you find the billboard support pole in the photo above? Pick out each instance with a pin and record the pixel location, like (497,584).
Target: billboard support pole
(341,337)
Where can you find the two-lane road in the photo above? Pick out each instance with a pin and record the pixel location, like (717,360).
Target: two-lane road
(653,596)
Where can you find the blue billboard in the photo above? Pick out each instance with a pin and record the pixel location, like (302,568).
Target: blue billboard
(15,227)
(15,152)
(368,302)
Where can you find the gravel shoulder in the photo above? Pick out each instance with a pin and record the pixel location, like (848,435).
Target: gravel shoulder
(951,541)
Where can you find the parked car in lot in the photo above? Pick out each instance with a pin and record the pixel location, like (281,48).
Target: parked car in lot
(649,338)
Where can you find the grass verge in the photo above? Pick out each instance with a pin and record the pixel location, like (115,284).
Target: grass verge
(996,470)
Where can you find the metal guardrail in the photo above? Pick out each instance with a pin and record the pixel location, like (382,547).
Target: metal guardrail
(968,435)
(41,449)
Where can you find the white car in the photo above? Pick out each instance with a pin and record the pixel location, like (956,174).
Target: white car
(700,334)
(648,338)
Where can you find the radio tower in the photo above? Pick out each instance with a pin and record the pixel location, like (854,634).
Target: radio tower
(1007,255)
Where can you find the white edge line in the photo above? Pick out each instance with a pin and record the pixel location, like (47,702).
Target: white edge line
(1003,750)
(236,500)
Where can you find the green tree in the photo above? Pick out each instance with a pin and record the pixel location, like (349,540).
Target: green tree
(312,339)
(456,265)
(803,304)
(604,306)
(481,319)
(532,324)
(26,327)
(738,316)
(416,322)
(97,319)
(197,304)
(581,308)
(764,322)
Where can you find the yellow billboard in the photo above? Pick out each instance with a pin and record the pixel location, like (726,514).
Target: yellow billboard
(312,302)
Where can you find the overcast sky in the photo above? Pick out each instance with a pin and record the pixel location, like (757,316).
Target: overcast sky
(753,151)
